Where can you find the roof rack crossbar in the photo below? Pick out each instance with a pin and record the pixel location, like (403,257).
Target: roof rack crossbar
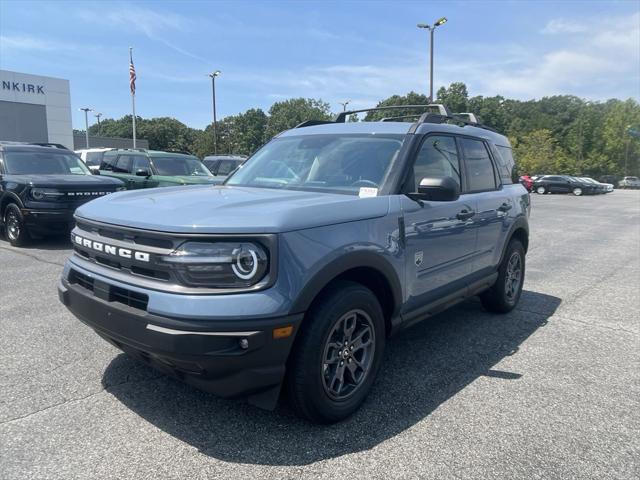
(46,144)
(340,118)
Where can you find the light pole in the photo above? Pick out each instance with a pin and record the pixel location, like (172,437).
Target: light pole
(213,76)
(86,110)
(98,115)
(344,105)
(436,24)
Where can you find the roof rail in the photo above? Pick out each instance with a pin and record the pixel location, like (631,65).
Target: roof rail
(442,110)
(46,144)
(469,117)
(311,123)
(430,117)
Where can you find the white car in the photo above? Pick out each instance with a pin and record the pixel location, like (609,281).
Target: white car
(92,157)
(629,182)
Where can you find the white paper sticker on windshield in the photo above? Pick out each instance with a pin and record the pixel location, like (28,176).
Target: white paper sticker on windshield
(368,192)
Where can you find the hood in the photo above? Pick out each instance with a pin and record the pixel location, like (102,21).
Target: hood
(222,209)
(68,181)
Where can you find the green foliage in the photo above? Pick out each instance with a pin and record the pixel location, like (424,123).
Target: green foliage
(289,113)
(411,98)
(558,134)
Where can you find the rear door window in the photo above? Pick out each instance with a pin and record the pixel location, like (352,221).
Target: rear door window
(478,165)
(226,167)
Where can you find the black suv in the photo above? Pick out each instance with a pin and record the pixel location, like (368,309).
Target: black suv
(40,187)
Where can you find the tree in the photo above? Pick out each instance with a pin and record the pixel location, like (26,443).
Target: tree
(455,97)
(289,113)
(411,98)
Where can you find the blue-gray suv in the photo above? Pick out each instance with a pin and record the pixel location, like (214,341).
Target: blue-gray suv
(295,272)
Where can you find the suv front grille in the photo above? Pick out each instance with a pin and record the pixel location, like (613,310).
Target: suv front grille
(111,293)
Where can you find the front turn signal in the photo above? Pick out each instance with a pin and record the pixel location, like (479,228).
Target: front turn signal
(282,332)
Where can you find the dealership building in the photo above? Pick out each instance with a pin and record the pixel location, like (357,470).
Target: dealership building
(35,109)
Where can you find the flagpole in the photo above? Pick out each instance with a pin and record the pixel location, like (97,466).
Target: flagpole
(133,101)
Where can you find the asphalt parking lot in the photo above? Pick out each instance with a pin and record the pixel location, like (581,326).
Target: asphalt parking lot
(551,390)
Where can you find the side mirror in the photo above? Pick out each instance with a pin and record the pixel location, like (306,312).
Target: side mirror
(142,172)
(95,171)
(437,189)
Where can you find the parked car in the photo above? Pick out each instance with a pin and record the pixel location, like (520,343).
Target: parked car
(222,165)
(629,182)
(601,187)
(562,184)
(40,188)
(527,182)
(150,168)
(611,179)
(92,157)
(331,238)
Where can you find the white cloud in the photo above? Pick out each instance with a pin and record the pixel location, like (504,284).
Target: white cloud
(559,25)
(155,25)
(31,43)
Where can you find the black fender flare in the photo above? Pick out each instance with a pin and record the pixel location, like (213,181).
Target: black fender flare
(9,197)
(520,223)
(342,264)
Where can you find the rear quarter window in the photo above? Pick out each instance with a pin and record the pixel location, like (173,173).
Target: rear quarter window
(506,165)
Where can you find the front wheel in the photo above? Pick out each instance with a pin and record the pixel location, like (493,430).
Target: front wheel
(504,295)
(541,190)
(577,191)
(15,229)
(337,354)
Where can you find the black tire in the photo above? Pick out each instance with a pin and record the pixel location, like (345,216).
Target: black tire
(310,379)
(541,189)
(15,229)
(504,295)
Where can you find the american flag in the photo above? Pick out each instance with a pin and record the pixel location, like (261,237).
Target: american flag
(132,75)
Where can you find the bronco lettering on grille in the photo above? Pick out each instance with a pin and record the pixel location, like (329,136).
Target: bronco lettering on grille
(111,249)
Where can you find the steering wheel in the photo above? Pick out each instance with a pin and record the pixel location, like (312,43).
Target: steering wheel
(364,183)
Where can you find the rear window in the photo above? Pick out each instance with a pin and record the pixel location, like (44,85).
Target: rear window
(480,174)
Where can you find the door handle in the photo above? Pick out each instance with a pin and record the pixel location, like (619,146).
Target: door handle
(505,207)
(465,214)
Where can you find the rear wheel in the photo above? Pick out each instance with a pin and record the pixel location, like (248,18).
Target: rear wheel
(541,190)
(337,354)
(504,295)
(15,229)
(577,191)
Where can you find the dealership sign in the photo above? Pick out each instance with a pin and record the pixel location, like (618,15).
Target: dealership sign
(22,87)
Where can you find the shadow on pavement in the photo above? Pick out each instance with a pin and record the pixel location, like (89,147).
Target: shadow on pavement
(57,242)
(423,367)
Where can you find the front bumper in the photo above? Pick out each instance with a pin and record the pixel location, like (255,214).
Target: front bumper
(227,358)
(40,220)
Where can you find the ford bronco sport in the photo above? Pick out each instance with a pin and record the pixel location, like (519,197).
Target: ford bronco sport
(328,240)
(40,187)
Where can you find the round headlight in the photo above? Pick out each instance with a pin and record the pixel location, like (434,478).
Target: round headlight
(245,263)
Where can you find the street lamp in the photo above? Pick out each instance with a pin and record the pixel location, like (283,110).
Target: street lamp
(436,24)
(98,115)
(344,105)
(213,76)
(86,110)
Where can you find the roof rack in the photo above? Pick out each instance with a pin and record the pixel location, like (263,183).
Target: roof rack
(443,115)
(442,110)
(46,144)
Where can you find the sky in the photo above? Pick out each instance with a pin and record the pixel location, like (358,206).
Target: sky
(362,51)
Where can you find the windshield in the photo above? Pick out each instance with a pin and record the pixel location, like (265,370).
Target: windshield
(44,163)
(180,166)
(336,163)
